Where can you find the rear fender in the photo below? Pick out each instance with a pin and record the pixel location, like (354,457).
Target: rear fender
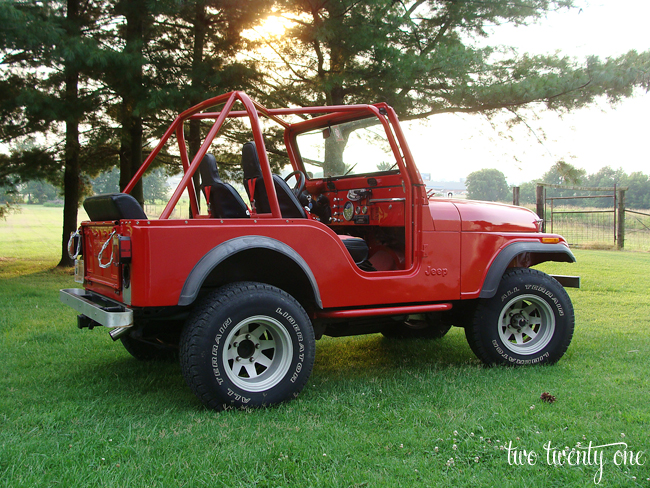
(530,253)
(253,258)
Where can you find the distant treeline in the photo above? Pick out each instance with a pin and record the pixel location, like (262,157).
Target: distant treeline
(637,196)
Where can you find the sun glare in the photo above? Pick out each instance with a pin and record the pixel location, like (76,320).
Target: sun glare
(272,27)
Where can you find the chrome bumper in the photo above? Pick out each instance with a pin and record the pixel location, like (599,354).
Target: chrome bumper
(112,315)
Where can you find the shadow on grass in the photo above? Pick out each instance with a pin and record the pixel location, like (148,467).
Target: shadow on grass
(25,272)
(116,380)
(113,381)
(374,355)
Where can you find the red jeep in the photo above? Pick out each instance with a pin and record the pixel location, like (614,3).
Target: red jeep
(355,246)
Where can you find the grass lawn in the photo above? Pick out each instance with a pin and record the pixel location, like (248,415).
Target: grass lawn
(77,410)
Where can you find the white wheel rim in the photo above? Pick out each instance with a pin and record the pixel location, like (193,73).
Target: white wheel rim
(526,325)
(257,354)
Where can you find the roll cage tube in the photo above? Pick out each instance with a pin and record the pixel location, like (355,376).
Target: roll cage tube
(386,115)
(186,182)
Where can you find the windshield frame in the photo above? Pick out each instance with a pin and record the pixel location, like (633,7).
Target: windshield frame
(380,113)
(356,147)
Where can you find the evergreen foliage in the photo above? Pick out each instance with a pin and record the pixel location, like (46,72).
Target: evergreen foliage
(429,56)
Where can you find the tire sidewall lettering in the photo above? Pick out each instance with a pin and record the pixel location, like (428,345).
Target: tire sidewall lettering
(235,394)
(510,293)
(542,291)
(485,333)
(517,361)
(285,316)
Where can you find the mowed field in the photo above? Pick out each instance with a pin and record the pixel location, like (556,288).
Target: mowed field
(77,410)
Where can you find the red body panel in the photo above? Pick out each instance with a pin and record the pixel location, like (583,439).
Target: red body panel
(157,279)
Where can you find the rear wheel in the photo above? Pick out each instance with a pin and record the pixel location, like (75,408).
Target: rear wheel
(530,320)
(247,345)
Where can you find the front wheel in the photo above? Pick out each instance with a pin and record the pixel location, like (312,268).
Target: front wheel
(530,320)
(247,345)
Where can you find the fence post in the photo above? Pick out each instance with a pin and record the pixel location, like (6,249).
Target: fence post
(515,195)
(539,195)
(620,242)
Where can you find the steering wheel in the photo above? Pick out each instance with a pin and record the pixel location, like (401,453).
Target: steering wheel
(300,182)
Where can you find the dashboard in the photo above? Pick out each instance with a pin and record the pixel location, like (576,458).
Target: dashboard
(375,201)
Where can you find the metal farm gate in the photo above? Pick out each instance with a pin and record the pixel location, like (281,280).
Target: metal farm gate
(585,216)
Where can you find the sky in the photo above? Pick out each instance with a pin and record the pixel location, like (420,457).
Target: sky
(451,146)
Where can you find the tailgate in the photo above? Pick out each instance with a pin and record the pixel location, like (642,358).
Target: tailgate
(102,273)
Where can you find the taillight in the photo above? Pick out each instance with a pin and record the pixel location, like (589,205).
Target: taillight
(124,245)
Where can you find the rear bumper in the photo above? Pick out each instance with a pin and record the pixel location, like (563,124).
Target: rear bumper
(568,281)
(109,314)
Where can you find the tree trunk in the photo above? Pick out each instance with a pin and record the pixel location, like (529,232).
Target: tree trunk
(71,173)
(131,143)
(131,148)
(200,29)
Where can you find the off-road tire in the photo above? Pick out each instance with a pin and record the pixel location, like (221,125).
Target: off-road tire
(529,320)
(247,345)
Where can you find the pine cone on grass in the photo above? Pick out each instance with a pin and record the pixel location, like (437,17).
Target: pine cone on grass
(547,397)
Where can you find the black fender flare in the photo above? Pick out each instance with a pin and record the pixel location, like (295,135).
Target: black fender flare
(545,252)
(223,251)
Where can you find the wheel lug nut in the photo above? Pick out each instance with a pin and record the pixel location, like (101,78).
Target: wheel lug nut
(238,358)
(252,360)
(235,344)
(248,336)
(257,346)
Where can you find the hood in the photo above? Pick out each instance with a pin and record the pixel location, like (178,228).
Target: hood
(496,217)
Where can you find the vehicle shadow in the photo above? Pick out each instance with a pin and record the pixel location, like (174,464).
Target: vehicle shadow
(374,354)
(147,387)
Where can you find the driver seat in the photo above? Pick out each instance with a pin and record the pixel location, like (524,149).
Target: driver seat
(290,207)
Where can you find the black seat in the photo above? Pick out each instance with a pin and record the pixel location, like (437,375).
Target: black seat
(290,207)
(225,201)
(357,248)
(113,206)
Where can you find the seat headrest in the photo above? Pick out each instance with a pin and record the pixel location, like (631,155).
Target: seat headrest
(113,206)
(209,170)
(250,162)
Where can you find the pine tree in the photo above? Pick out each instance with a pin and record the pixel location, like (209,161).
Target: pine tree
(427,57)
(47,48)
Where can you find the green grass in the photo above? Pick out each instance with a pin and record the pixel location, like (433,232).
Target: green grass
(77,410)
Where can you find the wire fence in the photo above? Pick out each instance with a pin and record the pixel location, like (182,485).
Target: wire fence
(593,217)
(584,227)
(637,230)
(596,228)
(181,211)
